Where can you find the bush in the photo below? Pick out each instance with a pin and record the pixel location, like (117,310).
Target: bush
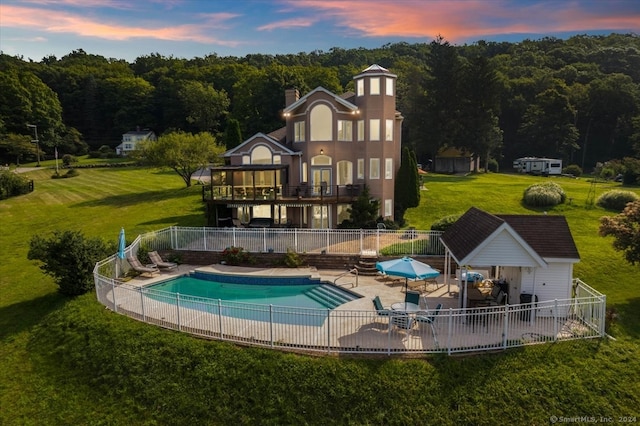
(631,173)
(544,195)
(70,173)
(12,184)
(445,223)
(235,256)
(572,169)
(69,258)
(493,165)
(68,160)
(292,259)
(616,199)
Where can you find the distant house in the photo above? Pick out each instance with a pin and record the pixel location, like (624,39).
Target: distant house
(309,172)
(453,160)
(130,140)
(534,254)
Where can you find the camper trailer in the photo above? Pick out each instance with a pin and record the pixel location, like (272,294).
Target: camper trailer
(538,166)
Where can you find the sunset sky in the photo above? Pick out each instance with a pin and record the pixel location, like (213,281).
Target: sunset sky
(195,28)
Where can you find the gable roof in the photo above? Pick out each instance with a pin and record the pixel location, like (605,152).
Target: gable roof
(544,236)
(320,89)
(239,150)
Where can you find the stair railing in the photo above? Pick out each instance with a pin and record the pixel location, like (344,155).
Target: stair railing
(345,273)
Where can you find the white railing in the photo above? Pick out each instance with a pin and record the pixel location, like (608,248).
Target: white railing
(279,240)
(349,331)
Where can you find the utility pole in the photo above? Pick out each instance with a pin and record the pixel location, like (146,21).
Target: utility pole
(36,141)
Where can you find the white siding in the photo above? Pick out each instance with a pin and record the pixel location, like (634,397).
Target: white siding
(551,283)
(503,250)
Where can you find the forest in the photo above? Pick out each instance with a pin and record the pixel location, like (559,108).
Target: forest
(576,99)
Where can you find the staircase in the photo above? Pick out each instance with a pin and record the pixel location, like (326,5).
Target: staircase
(367,265)
(330,296)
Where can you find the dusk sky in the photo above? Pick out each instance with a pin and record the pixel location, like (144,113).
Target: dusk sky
(195,28)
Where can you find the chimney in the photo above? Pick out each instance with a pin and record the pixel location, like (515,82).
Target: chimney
(291,96)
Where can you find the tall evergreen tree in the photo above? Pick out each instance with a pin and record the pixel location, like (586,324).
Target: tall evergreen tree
(232,135)
(407,185)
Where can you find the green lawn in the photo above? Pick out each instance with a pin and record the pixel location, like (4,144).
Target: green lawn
(70,361)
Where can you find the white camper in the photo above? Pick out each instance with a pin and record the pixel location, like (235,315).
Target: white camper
(538,166)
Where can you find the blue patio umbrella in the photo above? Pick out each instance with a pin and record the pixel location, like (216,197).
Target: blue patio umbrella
(121,246)
(408,268)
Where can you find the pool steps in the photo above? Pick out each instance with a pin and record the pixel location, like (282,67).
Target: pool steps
(331,295)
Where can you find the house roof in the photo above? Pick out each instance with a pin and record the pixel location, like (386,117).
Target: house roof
(452,153)
(320,89)
(240,149)
(548,236)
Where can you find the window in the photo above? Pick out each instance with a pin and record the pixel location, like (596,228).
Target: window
(389,86)
(360,87)
(277,159)
(298,131)
(374,168)
(388,168)
(388,208)
(246,159)
(321,160)
(321,122)
(345,172)
(304,172)
(374,129)
(388,131)
(261,155)
(360,168)
(360,130)
(345,130)
(374,86)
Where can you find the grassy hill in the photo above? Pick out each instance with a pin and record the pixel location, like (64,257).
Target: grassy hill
(70,361)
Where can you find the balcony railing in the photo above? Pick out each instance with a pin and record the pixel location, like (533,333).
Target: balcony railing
(325,193)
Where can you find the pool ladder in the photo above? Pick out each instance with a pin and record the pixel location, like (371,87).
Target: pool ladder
(348,272)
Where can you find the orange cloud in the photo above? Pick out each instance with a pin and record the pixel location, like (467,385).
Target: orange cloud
(459,20)
(63,22)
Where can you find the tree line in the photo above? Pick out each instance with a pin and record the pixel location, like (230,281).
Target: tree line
(576,99)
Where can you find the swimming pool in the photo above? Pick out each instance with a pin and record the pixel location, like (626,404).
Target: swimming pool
(290,300)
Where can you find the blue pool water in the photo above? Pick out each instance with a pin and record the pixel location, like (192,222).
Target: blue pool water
(291,300)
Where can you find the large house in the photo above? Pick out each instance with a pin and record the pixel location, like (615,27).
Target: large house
(308,173)
(130,140)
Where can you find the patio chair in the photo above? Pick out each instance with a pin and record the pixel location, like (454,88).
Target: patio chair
(412,297)
(380,310)
(139,267)
(403,321)
(155,258)
(430,319)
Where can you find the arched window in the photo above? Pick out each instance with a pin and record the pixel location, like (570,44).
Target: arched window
(321,123)
(321,160)
(261,155)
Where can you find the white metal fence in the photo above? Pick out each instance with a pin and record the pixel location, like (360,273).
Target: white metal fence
(278,240)
(349,331)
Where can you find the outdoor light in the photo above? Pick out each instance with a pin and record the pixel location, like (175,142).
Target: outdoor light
(36,141)
(321,151)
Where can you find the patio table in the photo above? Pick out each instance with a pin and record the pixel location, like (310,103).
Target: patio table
(407,307)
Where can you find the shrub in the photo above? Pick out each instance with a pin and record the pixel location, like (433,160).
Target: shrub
(69,258)
(544,195)
(572,169)
(235,256)
(68,160)
(631,173)
(12,184)
(493,165)
(292,259)
(616,199)
(445,223)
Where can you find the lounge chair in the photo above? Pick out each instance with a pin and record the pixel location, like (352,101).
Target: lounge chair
(139,267)
(155,258)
